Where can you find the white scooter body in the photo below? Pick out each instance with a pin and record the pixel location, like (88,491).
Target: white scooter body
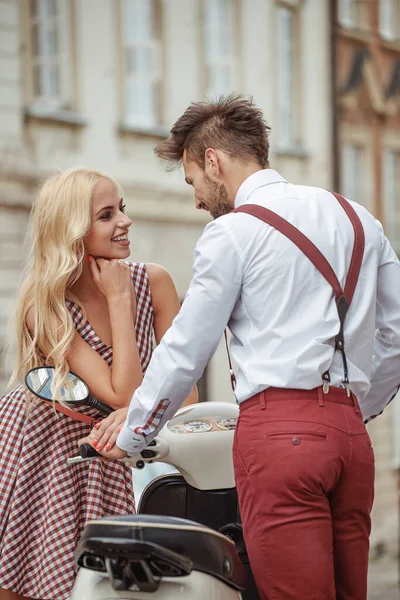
(195,587)
(198,442)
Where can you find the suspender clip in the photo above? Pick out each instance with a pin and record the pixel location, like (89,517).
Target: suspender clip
(326,379)
(231,372)
(233,379)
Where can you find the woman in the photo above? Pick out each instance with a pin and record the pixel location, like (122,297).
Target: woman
(82,308)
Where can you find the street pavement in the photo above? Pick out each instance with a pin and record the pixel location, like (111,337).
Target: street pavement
(383,579)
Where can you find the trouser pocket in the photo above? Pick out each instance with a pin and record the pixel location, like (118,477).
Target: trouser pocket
(296,436)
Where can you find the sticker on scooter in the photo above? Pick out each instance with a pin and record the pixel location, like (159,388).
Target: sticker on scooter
(197,426)
(227,424)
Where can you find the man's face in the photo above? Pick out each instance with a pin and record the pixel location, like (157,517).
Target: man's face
(210,195)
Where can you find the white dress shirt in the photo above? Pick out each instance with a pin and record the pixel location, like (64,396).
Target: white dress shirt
(279,308)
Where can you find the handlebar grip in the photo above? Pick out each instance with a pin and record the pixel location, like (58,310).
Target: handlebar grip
(87,451)
(100,406)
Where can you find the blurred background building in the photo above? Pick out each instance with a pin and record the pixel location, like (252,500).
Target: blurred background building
(366,166)
(98,83)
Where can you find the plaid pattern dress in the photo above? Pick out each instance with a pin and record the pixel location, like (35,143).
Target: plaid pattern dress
(44,504)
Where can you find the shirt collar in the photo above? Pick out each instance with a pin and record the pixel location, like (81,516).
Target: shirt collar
(256,180)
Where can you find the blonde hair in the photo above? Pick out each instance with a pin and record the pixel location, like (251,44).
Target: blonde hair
(59,221)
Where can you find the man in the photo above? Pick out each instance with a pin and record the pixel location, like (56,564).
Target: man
(304,464)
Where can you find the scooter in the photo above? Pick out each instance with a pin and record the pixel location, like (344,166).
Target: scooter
(186,539)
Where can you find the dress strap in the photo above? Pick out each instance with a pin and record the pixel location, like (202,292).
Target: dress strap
(87,332)
(144,319)
(144,312)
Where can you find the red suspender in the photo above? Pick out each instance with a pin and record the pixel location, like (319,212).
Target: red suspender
(311,251)
(343,297)
(358,248)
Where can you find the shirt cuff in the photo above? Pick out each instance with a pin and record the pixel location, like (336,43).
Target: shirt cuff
(132,443)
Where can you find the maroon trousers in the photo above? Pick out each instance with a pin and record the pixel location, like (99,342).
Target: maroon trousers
(304,469)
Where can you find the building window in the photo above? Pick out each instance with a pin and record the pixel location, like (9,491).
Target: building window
(286,76)
(141,61)
(220,37)
(389,19)
(51,53)
(391,195)
(353,13)
(351,172)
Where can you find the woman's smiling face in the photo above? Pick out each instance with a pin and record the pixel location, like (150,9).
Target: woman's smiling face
(108,233)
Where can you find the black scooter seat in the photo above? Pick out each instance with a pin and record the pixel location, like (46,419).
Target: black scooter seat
(162,546)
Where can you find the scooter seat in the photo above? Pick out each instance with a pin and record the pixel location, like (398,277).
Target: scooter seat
(163,546)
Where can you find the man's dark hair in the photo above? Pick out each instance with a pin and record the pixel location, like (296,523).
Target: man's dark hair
(231,123)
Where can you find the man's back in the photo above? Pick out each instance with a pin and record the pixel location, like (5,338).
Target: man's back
(303,461)
(285,320)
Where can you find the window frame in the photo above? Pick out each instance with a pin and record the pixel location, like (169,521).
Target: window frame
(359,20)
(234,62)
(129,121)
(65,100)
(391,33)
(292,141)
(357,171)
(390,206)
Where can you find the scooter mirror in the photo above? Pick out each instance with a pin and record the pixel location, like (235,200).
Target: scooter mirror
(39,381)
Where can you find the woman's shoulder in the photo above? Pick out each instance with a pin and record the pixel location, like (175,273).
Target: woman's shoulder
(161,283)
(156,274)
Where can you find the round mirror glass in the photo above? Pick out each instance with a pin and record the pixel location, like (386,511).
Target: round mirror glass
(40,382)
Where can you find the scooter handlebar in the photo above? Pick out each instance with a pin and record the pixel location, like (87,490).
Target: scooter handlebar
(87,451)
(104,409)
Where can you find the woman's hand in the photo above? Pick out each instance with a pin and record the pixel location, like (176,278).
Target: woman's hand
(104,434)
(112,277)
(114,454)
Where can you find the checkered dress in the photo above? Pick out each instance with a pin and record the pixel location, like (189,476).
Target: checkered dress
(44,504)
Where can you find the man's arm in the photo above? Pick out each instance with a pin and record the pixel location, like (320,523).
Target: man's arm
(385,374)
(186,348)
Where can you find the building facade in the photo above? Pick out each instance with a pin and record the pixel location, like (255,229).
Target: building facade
(366,137)
(99,82)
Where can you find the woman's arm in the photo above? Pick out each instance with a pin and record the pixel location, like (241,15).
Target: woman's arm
(113,386)
(166,306)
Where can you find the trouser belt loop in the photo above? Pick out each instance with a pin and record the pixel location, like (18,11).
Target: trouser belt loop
(263,402)
(356,405)
(320,396)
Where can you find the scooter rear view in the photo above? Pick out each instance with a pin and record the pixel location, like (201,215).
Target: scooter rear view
(186,540)
(143,556)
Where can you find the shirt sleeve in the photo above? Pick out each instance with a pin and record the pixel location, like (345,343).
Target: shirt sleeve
(186,348)
(385,373)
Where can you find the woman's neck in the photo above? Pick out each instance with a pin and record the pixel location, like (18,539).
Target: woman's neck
(85,288)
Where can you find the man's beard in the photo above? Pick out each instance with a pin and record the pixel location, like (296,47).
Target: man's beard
(217,199)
